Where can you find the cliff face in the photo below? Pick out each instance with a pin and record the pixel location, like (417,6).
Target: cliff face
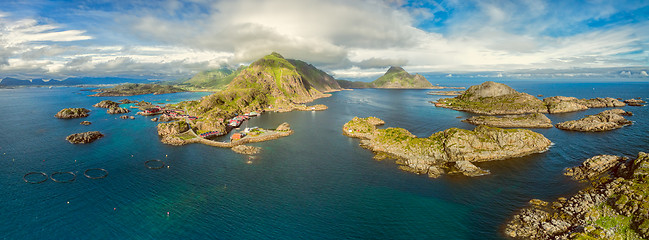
(318,79)
(397,77)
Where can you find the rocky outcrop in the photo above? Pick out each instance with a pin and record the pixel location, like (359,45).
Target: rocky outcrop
(85,123)
(441,152)
(117,110)
(534,120)
(106,104)
(246,150)
(130,89)
(593,167)
(615,207)
(283,127)
(635,102)
(168,132)
(604,121)
(560,104)
(126,101)
(86,137)
(397,77)
(601,102)
(491,98)
(67,113)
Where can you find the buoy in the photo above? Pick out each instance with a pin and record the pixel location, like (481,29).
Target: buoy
(167,213)
(68,202)
(167,166)
(165,155)
(114,209)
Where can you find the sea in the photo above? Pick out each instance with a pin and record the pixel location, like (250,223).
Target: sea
(314,184)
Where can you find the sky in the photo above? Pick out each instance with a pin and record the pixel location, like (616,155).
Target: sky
(174,39)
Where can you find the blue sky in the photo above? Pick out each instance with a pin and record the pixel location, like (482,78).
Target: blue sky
(175,39)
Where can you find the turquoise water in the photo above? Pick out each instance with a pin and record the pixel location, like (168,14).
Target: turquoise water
(314,184)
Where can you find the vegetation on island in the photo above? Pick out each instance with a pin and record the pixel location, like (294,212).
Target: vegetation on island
(614,206)
(395,77)
(271,83)
(216,79)
(131,89)
(448,151)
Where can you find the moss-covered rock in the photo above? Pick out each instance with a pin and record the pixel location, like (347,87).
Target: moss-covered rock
(615,207)
(442,150)
(604,121)
(533,120)
(491,98)
(67,113)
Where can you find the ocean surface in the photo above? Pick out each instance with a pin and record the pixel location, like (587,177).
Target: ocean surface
(314,184)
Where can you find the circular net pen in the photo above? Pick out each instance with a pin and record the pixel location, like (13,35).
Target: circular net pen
(27,177)
(95,173)
(56,177)
(154,164)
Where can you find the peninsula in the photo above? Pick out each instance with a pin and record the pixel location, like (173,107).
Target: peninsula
(450,151)
(271,83)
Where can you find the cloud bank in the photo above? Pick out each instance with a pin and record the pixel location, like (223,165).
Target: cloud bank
(347,38)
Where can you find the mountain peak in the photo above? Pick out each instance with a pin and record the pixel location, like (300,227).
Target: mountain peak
(394,69)
(275,54)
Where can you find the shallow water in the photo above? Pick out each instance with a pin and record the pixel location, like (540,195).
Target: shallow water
(314,184)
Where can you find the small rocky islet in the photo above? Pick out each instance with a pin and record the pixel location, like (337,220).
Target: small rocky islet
(604,121)
(68,113)
(450,151)
(85,137)
(615,206)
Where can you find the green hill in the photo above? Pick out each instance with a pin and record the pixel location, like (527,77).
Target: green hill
(212,79)
(270,81)
(397,77)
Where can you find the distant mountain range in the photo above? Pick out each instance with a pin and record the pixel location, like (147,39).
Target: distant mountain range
(395,77)
(7,82)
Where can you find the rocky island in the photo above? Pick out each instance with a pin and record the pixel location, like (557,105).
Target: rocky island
(532,120)
(85,137)
(635,102)
(561,104)
(117,110)
(106,104)
(131,89)
(616,206)
(450,151)
(491,98)
(604,121)
(67,113)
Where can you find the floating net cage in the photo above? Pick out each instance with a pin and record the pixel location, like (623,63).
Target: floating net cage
(27,177)
(154,164)
(56,177)
(95,173)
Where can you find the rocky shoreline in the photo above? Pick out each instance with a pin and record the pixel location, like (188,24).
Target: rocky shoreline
(451,151)
(616,206)
(533,120)
(604,121)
